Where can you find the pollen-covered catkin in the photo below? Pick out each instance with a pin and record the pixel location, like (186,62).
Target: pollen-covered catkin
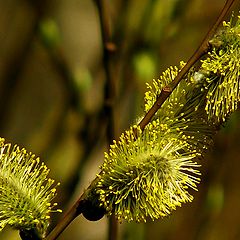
(222,70)
(147,176)
(184,110)
(26,191)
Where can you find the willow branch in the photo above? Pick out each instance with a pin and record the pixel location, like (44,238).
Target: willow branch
(78,206)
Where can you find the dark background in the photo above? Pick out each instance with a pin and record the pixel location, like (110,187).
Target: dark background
(52,95)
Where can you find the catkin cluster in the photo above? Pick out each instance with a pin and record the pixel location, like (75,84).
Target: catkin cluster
(147,174)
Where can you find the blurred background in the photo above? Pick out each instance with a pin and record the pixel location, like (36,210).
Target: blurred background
(52,84)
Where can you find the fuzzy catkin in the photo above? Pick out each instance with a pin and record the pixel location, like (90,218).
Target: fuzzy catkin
(184,110)
(147,177)
(26,191)
(222,70)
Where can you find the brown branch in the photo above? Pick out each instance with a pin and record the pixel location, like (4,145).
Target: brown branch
(79,205)
(75,210)
(108,50)
(110,88)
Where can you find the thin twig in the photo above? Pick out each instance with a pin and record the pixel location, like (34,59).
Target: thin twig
(76,209)
(71,214)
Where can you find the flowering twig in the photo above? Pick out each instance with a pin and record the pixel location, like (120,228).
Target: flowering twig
(80,205)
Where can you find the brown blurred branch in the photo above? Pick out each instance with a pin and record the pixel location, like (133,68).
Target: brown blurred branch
(79,205)
(110,88)
(108,50)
